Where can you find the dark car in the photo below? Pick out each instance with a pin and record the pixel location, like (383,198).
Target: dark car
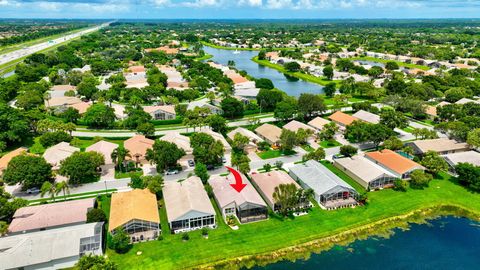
(210,167)
(191,163)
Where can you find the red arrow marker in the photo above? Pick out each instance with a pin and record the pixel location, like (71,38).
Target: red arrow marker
(238,186)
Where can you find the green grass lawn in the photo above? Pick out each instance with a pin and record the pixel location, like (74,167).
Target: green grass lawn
(273,234)
(60,197)
(274,154)
(83,143)
(329,144)
(303,76)
(307,148)
(119,175)
(379,60)
(408,129)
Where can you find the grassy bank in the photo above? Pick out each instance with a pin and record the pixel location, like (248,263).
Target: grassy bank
(299,75)
(251,242)
(379,60)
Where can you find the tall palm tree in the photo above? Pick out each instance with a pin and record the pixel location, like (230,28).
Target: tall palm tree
(119,155)
(63,187)
(49,188)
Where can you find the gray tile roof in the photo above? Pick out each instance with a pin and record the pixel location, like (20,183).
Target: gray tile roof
(318,177)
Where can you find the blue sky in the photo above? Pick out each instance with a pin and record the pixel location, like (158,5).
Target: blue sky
(238,9)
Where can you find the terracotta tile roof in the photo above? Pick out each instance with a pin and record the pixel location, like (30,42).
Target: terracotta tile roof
(138,145)
(393,161)
(5,159)
(50,215)
(135,204)
(342,118)
(431,110)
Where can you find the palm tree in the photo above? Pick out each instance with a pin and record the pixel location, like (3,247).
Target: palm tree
(49,188)
(119,155)
(63,187)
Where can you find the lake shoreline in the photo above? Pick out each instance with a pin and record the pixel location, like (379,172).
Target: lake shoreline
(382,228)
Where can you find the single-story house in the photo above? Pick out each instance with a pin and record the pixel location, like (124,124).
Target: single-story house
(81,107)
(442,146)
(471,157)
(269,133)
(136,212)
(254,138)
(5,159)
(60,90)
(398,165)
(318,123)
(431,111)
(247,205)
(58,248)
(342,119)
(182,142)
(368,174)
(50,216)
(138,145)
(60,104)
(295,125)
(330,191)
(204,103)
(105,148)
(188,206)
(268,181)
(367,117)
(164,112)
(55,154)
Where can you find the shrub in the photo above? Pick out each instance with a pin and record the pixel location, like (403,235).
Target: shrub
(185,237)
(267,167)
(51,138)
(400,185)
(204,231)
(96,215)
(120,242)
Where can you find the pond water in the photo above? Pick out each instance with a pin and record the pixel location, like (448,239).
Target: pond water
(291,85)
(445,243)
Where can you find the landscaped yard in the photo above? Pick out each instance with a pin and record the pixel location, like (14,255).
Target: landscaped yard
(273,234)
(274,153)
(119,175)
(329,144)
(307,148)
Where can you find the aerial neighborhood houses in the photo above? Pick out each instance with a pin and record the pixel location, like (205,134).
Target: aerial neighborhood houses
(59,152)
(51,236)
(398,165)
(254,139)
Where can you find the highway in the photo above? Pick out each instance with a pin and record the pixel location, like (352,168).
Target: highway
(15,55)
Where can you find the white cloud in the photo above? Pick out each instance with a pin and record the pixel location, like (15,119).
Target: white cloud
(251,3)
(201,3)
(279,4)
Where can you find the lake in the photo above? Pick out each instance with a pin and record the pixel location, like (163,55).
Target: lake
(445,243)
(291,85)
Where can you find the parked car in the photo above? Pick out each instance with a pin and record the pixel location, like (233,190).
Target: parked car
(33,190)
(191,163)
(224,160)
(210,167)
(171,172)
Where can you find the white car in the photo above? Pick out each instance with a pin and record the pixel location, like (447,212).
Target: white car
(171,172)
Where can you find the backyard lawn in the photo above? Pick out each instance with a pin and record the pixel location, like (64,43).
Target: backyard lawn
(268,154)
(273,234)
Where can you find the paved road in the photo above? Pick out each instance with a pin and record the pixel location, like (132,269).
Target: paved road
(15,55)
